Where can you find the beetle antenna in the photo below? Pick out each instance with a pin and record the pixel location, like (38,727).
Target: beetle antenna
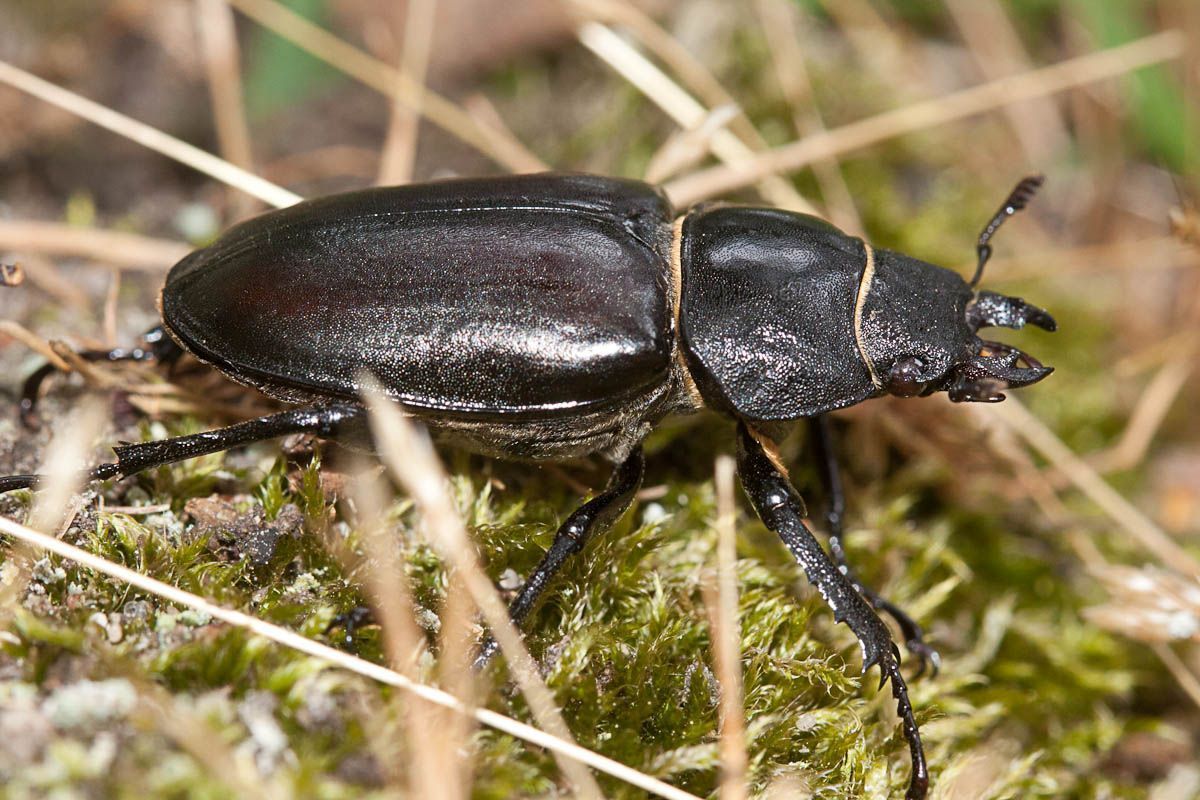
(1017,200)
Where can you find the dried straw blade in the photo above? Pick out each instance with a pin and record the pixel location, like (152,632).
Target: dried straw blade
(1090,68)
(148,136)
(391,82)
(340,659)
(409,456)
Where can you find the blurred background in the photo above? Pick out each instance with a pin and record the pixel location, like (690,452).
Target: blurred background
(1050,544)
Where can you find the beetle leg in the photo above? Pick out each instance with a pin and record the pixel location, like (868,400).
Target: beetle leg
(831,481)
(589,519)
(156,345)
(133,458)
(782,511)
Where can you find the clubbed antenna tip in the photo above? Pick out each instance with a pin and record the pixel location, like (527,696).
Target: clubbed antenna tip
(1018,198)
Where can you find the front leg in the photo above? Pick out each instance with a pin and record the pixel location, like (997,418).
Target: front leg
(831,479)
(782,511)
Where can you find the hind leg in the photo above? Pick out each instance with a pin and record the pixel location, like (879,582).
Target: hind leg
(133,458)
(156,345)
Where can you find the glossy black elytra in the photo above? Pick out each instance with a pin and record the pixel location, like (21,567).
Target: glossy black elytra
(547,316)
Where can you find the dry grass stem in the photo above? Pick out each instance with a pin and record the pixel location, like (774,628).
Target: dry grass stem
(222,64)
(52,507)
(877,41)
(197,737)
(111,299)
(1080,71)
(1156,400)
(404,641)
(148,136)
(320,163)
(126,250)
(34,342)
(993,41)
(410,458)
(389,81)
(1149,254)
(727,640)
(93,372)
(340,659)
(1086,479)
(46,276)
(681,107)
(691,71)
(1156,353)
(1183,676)
(1148,415)
(456,646)
(688,146)
(133,511)
(1002,440)
(400,147)
(65,463)
(779,25)
(384,578)
(481,109)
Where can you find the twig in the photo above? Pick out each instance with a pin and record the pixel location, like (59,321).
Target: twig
(1042,82)
(1043,440)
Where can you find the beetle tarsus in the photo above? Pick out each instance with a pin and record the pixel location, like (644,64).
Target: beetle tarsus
(585,522)
(351,622)
(780,508)
(11,483)
(831,480)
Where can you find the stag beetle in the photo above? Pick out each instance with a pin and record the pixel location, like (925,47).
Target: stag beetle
(556,315)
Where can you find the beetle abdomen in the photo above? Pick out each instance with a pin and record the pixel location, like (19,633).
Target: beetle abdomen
(543,294)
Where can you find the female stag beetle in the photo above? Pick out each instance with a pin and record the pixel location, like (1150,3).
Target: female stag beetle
(548,316)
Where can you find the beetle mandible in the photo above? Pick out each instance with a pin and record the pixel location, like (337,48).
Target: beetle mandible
(557,315)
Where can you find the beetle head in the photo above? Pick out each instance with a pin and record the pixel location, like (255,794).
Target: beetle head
(918,330)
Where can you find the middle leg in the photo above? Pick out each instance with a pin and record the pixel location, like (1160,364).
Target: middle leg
(589,519)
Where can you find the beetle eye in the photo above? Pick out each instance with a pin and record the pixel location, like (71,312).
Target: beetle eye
(904,378)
